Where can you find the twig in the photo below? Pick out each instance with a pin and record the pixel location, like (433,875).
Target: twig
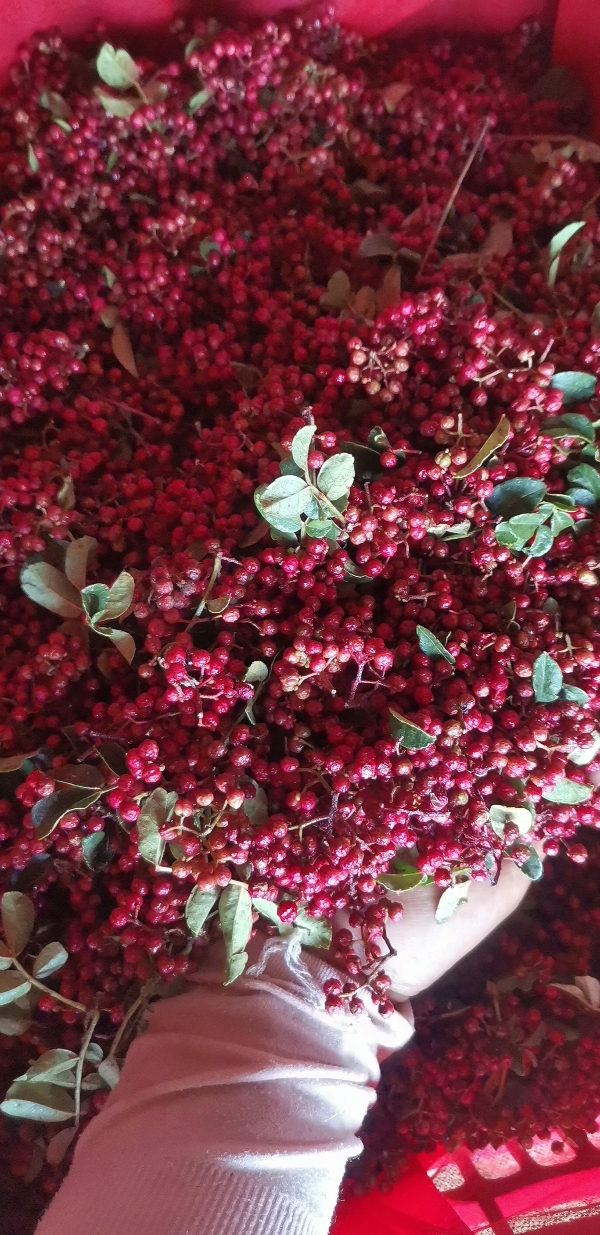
(80,1063)
(77,1007)
(449,204)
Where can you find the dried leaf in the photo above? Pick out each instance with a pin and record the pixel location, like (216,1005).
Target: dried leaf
(65,498)
(122,349)
(12,763)
(109,1071)
(337,292)
(59,1144)
(389,293)
(47,586)
(18,917)
(499,240)
(109,316)
(55,104)
(378,244)
(77,559)
(51,958)
(364,303)
(393,94)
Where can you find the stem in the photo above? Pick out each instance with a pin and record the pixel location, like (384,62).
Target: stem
(216,570)
(80,1062)
(70,1003)
(449,204)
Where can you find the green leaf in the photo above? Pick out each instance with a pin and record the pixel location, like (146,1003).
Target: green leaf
(116,67)
(319,529)
(58,1145)
(55,104)
(575,695)
(51,958)
(287,497)
(32,159)
(109,1071)
(156,810)
(123,108)
(586,477)
(450,900)
(43,1102)
(79,775)
(560,520)
(546,679)
(367,460)
(556,247)
(567,792)
(533,867)
(301,446)
(582,497)
(404,882)
(6,959)
(286,526)
(124,643)
(112,161)
(408,735)
(113,755)
(431,646)
(314,932)
(505,536)
(491,446)
(525,526)
(118,599)
(18,917)
(562,501)
(575,386)
(570,425)
(50,1065)
(519,815)
(46,813)
(198,100)
(12,763)
(287,467)
(96,851)
(12,986)
(336,476)
(14,1020)
(257,671)
(582,755)
(542,542)
(515,497)
(47,586)
(337,292)
(199,904)
(235,916)
(268,910)
(76,560)
(94,598)
(109,276)
(256,809)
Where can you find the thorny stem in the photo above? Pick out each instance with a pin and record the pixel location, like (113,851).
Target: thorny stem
(77,1007)
(451,200)
(131,1012)
(80,1062)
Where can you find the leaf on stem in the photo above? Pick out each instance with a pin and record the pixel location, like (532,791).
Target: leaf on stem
(490,447)
(18,918)
(235,915)
(47,586)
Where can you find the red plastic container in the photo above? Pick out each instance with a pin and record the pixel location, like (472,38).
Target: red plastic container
(527,1194)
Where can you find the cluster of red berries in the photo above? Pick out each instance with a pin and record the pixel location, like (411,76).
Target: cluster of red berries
(500,1052)
(307,705)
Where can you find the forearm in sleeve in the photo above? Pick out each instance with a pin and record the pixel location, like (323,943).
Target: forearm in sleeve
(237,1111)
